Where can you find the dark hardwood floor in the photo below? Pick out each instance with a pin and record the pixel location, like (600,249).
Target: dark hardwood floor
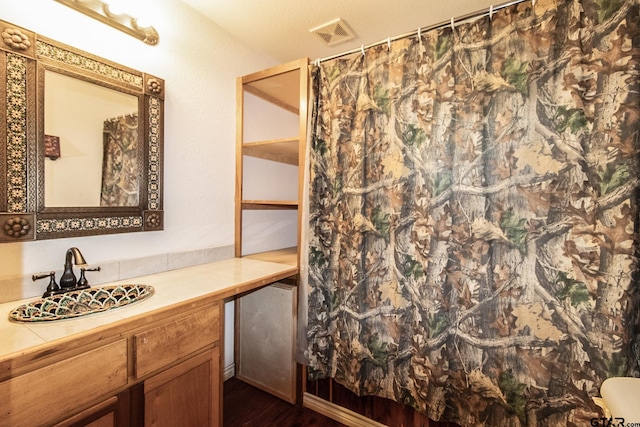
(247,406)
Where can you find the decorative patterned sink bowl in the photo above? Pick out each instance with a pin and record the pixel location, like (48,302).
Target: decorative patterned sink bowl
(80,303)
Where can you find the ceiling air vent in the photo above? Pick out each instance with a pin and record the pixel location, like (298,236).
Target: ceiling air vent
(333,32)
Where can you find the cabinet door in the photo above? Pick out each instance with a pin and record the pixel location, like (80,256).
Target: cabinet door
(186,395)
(113,412)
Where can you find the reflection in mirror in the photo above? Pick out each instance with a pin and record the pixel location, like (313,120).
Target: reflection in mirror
(93,155)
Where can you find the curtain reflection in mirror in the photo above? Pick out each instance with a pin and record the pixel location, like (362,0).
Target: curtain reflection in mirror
(120,163)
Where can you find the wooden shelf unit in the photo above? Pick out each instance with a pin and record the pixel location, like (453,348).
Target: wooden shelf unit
(282,87)
(271,138)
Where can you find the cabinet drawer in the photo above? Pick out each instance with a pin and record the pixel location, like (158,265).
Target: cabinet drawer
(56,390)
(162,345)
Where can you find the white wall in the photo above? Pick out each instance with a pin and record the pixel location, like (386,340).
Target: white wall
(199,63)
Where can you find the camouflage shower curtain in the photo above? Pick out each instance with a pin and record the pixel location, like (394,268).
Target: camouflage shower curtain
(120,162)
(473,215)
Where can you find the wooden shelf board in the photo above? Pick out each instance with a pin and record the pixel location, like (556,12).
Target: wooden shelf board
(287,256)
(279,150)
(283,100)
(269,204)
(278,85)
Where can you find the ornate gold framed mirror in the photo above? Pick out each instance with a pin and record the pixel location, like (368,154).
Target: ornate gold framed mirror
(82,142)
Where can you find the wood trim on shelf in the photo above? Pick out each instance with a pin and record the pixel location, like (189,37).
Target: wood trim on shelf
(303,128)
(239,165)
(337,413)
(278,69)
(269,204)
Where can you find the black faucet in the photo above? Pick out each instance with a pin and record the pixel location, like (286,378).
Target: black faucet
(53,287)
(83,283)
(68,280)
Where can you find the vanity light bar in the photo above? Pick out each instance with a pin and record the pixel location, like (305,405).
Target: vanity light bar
(99,10)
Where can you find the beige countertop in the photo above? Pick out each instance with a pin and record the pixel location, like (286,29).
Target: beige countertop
(216,280)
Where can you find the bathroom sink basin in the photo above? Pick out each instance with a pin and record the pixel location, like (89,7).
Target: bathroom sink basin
(80,303)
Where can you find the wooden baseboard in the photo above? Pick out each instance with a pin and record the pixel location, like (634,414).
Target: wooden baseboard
(338,413)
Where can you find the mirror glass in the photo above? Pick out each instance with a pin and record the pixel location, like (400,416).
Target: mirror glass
(92,144)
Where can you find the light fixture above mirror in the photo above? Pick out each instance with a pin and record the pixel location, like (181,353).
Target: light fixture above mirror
(105,11)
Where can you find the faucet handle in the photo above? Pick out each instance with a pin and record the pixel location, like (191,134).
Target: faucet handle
(83,283)
(53,287)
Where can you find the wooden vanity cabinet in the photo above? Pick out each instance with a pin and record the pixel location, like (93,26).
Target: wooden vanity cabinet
(158,370)
(187,393)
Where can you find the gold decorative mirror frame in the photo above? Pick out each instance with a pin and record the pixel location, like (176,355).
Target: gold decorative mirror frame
(24,56)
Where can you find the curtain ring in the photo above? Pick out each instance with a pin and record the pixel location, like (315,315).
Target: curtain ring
(452,26)
(491,12)
(362,49)
(389,43)
(419,29)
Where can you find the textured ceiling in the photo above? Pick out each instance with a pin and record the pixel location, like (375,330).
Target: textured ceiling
(280,28)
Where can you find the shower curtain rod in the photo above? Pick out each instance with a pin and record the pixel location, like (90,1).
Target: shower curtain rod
(452,22)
